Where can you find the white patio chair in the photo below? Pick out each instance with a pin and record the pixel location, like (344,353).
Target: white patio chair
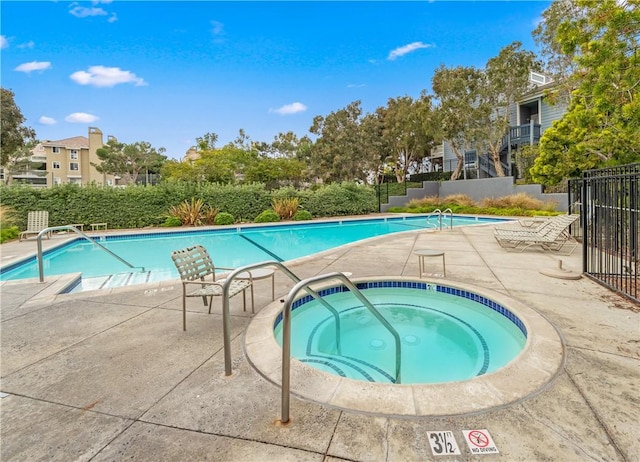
(36,222)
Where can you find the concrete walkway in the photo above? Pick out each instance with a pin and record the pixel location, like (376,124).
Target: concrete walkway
(110,375)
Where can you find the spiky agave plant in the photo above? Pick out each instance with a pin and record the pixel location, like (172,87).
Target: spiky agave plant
(190,213)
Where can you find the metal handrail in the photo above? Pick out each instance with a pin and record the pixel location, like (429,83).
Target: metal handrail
(440,213)
(77,231)
(226,320)
(450,217)
(286,333)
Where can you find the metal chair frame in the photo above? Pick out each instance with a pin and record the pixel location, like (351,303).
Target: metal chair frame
(194,265)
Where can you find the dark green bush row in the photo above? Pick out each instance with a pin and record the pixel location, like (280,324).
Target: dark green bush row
(431,176)
(140,206)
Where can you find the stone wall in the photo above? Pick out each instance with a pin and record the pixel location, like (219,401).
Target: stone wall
(477,190)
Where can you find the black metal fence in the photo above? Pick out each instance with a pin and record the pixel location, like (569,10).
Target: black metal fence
(608,201)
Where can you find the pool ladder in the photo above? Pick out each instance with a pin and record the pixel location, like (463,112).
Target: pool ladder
(286,322)
(77,231)
(439,213)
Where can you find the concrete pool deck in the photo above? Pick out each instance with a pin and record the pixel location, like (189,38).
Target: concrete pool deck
(110,375)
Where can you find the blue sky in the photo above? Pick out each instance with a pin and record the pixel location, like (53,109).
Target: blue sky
(167,72)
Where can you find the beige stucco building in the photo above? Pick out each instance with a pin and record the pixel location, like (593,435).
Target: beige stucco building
(67,161)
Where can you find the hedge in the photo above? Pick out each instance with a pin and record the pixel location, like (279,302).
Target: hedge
(142,206)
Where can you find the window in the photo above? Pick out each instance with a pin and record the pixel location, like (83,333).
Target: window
(57,180)
(75,180)
(73,154)
(55,150)
(56,165)
(73,166)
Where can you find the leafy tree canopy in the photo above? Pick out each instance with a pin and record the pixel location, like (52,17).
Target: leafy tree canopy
(14,136)
(602,124)
(128,160)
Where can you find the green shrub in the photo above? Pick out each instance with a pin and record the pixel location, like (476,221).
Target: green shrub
(224,218)
(141,206)
(172,221)
(339,200)
(301,215)
(8,234)
(267,216)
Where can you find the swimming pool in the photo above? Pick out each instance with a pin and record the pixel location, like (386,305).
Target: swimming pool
(446,334)
(230,247)
(525,375)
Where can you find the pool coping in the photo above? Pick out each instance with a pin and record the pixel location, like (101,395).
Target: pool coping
(525,376)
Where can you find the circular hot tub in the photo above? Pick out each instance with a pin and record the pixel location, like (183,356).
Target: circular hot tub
(454,348)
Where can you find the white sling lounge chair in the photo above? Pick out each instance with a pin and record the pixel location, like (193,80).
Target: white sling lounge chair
(552,235)
(194,264)
(36,222)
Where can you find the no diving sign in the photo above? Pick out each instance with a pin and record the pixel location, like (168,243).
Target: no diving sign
(480,442)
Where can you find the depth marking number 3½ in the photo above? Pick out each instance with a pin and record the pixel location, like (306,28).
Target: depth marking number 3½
(442,443)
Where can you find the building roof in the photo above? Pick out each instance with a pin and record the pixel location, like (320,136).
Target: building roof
(77,142)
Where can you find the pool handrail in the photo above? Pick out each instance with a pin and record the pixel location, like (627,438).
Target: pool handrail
(439,214)
(77,231)
(226,320)
(286,332)
(450,217)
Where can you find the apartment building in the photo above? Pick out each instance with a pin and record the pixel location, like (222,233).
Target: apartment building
(66,161)
(528,119)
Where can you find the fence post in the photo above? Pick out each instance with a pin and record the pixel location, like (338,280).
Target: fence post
(584,217)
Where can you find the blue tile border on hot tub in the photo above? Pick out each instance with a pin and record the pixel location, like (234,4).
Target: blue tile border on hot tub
(498,308)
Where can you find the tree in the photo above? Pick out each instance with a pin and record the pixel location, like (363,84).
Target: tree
(174,170)
(339,153)
(206,142)
(507,79)
(128,160)
(406,132)
(15,138)
(458,91)
(602,123)
(558,64)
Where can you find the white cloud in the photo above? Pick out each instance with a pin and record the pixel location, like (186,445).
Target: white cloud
(292,108)
(217,28)
(356,85)
(102,76)
(403,50)
(33,66)
(81,118)
(29,44)
(83,12)
(4,43)
(44,120)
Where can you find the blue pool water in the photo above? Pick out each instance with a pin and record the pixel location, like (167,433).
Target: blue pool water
(446,334)
(229,247)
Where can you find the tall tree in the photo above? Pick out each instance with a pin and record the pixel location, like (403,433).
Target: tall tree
(507,79)
(206,142)
(128,160)
(339,153)
(458,91)
(602,123)
(15,138)
(406,134)
(559,64)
